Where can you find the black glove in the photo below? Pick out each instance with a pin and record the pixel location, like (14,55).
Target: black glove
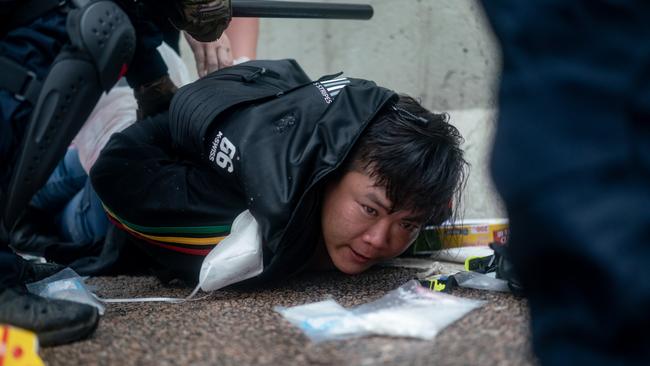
(204,20)
(154,97)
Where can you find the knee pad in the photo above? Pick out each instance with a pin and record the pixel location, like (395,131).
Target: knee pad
(103,31)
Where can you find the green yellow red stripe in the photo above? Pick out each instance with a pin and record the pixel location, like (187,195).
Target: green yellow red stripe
(200,242)
(171,229)
(178,239)
(176,248)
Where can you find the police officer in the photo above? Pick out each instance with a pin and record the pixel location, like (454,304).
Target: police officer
(57,58)
(32,45)
(572,162)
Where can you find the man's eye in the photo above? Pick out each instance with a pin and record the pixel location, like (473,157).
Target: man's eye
(409,226)
(369,210)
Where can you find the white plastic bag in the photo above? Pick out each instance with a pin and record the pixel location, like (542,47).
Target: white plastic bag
(236,258)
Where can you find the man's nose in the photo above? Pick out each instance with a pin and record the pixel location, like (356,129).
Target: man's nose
(378,234)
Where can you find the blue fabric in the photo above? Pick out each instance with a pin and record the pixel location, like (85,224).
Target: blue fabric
(69,196)
(572,162)
(67,179)
(83,220)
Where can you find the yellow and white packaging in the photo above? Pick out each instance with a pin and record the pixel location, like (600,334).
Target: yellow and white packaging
(459,240)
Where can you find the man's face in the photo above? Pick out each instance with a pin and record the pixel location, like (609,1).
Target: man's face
(359,227)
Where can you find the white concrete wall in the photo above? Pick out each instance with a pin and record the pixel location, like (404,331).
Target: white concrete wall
(439,51)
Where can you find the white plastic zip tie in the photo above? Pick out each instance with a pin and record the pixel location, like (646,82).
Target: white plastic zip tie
(172,300)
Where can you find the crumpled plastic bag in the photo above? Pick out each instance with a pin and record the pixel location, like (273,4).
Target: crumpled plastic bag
(324,320)
(481,281)
(408,311)
(66,285)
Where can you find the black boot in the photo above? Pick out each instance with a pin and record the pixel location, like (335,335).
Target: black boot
(505,269)
(33,233)
(54,321)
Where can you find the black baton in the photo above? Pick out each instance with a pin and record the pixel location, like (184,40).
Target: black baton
(299,9)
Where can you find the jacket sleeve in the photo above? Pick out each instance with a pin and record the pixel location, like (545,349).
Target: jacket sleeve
(155,193)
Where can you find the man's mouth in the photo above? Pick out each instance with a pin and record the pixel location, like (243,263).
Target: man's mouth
(358,257)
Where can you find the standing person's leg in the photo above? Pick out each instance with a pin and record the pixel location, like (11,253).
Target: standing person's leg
(572,162)
(34,46)
(55,321)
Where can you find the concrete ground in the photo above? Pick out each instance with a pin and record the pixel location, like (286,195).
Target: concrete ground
(240,327)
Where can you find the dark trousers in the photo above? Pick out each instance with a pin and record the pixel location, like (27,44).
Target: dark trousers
(11,266)
(572,163)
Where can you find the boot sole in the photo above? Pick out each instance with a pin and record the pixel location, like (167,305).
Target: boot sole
(70,334)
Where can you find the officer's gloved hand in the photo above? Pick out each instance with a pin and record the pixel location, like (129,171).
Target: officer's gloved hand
(204,20)
(154,98)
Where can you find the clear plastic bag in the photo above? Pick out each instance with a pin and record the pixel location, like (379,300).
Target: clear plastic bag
(480,281)
(408,311)
(65,285)
(324,320)
(413,311)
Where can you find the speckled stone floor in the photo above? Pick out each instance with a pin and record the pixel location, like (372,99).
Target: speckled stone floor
(240,327)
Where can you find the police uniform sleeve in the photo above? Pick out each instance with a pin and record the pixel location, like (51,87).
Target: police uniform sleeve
(6,10)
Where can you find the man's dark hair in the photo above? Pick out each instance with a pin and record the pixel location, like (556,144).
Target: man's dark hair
(416,155)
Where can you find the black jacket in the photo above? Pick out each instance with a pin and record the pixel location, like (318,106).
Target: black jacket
(259,136)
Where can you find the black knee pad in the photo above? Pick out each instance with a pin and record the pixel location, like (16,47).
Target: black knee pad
(103,30)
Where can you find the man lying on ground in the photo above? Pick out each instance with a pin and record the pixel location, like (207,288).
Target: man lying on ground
(338,173)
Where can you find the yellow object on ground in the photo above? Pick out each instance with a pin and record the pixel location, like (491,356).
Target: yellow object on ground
(466,233)
(18,347)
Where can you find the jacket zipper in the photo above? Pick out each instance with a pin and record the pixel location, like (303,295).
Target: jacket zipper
(254,77)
